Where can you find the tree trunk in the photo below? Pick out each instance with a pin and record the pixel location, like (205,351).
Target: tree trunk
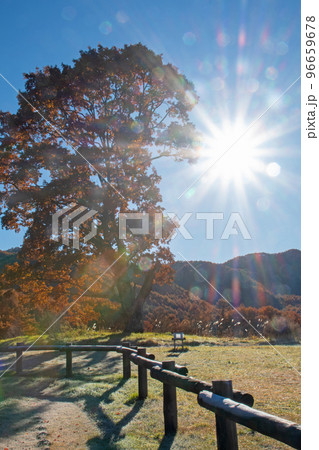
(134,321)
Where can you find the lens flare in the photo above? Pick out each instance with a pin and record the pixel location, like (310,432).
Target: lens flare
(145,263)
(190,193)
(122,17)
(242,38)
(222,38)
(137,127)
(273,169)
(271,73)
(195,292)
(105,27)
(158,73)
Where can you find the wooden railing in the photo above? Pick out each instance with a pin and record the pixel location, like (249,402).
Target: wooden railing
(230,406)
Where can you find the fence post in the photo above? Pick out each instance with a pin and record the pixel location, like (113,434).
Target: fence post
(169,402)
(126,363)
(225,429)
(19,361)
(68,357)
(142,376)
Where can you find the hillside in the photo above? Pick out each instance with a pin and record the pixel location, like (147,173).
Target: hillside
(265,288)
(257,279)
(8,256)
(280,273)
(169,306)
(192,305)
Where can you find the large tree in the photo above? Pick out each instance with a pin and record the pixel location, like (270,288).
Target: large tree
(88,134)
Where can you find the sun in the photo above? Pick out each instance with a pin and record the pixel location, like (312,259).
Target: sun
(232,154)
(234,157)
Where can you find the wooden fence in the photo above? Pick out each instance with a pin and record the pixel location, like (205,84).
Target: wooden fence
(230,406)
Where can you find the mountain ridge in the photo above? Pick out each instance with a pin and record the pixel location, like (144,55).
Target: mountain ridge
(256,279)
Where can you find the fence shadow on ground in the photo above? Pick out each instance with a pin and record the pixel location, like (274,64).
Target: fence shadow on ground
(109,430)
(110,437)
(167,442)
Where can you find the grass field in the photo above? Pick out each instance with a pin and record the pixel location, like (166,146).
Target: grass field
(96,409)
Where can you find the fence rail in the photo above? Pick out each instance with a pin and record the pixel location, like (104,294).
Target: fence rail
(280,429)
(230,406)
(196,386)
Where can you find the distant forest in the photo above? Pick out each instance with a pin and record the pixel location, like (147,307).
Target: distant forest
(264,288)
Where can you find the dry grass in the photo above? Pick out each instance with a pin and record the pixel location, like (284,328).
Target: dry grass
(111,416)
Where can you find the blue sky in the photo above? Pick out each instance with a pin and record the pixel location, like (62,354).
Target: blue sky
(241,56)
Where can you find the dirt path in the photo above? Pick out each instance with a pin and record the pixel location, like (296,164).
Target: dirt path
(38,411)
(60,425)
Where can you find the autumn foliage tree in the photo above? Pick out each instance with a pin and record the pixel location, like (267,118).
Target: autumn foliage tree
(88,134)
